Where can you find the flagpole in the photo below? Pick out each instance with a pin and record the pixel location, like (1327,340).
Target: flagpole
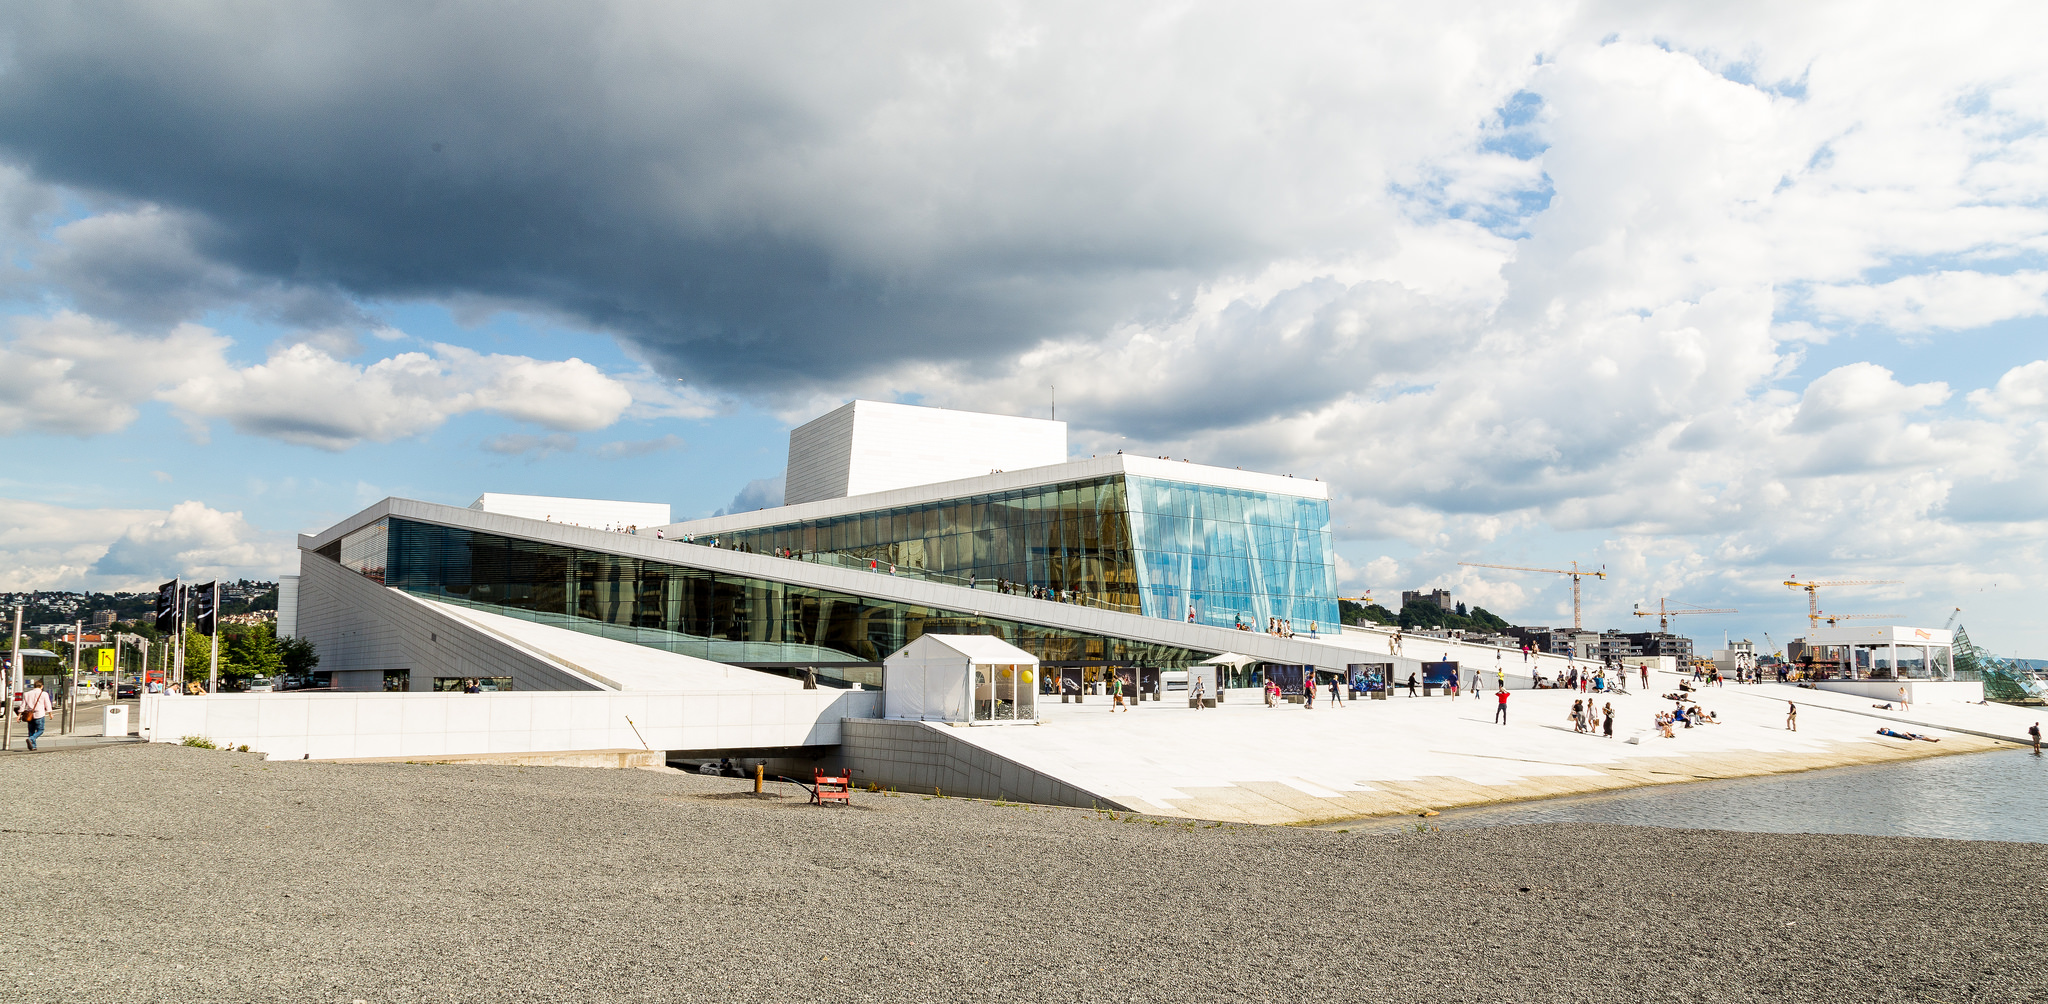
(178,641)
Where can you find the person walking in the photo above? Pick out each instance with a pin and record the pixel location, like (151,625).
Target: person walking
(1500,713)
(1336,691)
(1308,691)
(1116,693)
(2034,733)
(1578,716)
(1791,717)
(1411,685)
(1646,675)
(1607,714)
(35,710)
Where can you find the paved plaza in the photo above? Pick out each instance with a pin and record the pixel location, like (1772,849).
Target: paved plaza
(1245,762)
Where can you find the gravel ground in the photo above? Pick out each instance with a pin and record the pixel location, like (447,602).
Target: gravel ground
(244,880)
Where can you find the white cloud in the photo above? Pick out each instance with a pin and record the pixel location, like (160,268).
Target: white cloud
(2022,391)
(45,546)
(303,395)
(1859,392)
(78,375)
(1948,300)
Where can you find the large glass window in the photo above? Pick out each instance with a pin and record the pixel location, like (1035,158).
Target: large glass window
(731,619)
(1233,556)
(1065,540)
(363,551)
(1140,545)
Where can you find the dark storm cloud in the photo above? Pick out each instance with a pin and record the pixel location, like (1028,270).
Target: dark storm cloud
(755,195)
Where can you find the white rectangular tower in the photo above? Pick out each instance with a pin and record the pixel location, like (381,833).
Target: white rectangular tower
(874,446)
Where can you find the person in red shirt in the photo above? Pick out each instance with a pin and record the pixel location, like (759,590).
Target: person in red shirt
(1500,714)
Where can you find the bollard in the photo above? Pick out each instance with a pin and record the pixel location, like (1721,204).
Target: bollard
(760,770)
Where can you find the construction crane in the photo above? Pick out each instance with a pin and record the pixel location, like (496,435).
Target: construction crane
(1813,601)
(1953,614)
(1575,572)
(1832,618)
(1664,615)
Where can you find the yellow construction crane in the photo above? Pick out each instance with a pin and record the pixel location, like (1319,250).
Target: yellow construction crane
(1813,602)
(1575,572)
(1664,615)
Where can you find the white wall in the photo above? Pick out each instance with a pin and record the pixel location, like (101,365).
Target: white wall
(287,606)
(290,726)
(876,446)
(595,513)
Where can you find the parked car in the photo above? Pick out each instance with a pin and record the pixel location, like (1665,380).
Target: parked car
(128,692)
(262,685)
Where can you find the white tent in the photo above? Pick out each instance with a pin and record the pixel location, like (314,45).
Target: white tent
(1203,675)
(960,678)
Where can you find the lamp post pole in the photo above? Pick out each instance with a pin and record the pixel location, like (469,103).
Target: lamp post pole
(213,641)
(71,697)
(7,680)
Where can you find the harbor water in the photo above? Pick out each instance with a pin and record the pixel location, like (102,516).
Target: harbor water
(1978,796)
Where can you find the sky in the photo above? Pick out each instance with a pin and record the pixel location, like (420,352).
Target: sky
(1708,296)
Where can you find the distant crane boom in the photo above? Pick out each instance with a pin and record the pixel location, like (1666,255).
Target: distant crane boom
(1813,601)
(1832,618)
(1575,572)
(1664,615)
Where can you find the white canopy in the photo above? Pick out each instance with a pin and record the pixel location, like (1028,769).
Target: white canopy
(1227,659)
(946,678)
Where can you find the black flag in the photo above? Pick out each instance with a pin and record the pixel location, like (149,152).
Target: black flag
(209,604)
(167,607)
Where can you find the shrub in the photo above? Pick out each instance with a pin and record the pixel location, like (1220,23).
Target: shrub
(199,741)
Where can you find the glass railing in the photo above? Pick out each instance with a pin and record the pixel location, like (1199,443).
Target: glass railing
(879,567)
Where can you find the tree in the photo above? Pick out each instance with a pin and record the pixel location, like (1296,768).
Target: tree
(299,657)
(252,650)
(1363,613)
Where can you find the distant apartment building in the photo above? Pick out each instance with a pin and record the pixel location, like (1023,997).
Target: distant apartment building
(1603,646)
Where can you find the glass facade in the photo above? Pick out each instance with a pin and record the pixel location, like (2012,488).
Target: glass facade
(1139,545)
(1233,556)
(731,619)
(1072,538)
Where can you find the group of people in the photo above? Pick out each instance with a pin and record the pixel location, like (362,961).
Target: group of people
(1580,680)
(1586,718)
(1275,696)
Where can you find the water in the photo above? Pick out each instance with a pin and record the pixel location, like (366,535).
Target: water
(1976,796)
